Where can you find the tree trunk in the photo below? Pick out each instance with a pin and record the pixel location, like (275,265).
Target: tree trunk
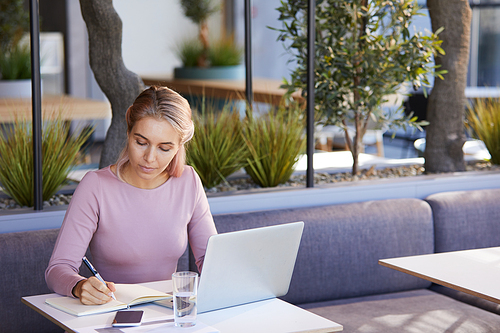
(203,36)
(356,146)
(446,106)
(120,85)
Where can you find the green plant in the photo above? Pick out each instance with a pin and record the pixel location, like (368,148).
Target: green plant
(59,151)
(14,22)
(363,53)
(16,63)
(199,11)
(483,123)
(189,51)
(225,52)
(15,58)
(201,52)
(217,149)
(274,141)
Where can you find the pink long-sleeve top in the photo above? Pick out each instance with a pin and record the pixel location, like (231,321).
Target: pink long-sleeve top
(135,235)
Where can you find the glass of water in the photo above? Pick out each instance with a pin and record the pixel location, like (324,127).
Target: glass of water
(185,286)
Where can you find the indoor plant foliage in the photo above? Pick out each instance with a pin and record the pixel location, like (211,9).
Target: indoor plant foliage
(222,52)
(59,152)
(483,123)
(14,56)
(364,52)
(15,64)
(274,141)
(217,149)
(204,57)
(199,11)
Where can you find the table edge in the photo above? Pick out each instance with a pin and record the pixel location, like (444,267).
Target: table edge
(46,315)
(384,263)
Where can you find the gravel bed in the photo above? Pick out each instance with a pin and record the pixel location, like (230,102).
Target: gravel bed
(56,200)
(320,178)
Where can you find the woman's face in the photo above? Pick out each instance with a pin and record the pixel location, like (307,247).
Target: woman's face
(152,144)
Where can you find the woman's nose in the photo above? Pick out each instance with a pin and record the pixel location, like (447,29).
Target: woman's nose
(150,155)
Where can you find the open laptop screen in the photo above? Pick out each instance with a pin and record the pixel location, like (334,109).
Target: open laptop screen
(249,265)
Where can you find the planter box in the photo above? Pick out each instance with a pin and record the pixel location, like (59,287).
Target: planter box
(210,73)
(15,88)
(286,197)
(27,219)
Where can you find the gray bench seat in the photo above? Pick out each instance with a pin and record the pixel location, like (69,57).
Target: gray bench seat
(417,311)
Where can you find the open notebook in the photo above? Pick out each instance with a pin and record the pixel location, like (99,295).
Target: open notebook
(126,295)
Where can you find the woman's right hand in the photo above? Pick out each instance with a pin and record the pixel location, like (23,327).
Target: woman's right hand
(93,292)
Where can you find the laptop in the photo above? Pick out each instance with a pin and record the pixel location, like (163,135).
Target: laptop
(247,266)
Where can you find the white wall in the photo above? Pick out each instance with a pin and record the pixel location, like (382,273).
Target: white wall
(151,31)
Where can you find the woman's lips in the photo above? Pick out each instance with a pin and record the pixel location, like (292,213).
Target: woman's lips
(146,169)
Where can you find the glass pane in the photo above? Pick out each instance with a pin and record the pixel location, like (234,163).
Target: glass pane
(488,66)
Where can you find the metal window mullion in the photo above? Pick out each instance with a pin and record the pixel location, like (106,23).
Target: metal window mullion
(36,100)
(311,27)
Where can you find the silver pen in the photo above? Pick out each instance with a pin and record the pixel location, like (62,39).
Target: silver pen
(96,274)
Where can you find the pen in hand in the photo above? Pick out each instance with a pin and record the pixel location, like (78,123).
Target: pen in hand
(96,274)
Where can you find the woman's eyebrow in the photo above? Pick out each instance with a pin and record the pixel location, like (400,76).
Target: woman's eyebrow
(162,143)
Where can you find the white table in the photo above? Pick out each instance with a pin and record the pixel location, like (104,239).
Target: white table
(272,315)
(476,272)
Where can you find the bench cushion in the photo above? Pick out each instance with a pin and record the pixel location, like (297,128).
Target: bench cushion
(466,219)
(341,245)
(467,298)
(23,258)
(418,311)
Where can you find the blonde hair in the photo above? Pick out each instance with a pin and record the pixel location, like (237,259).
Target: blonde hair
(161,103)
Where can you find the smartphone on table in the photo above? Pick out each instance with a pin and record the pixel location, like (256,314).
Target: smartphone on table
(128,318)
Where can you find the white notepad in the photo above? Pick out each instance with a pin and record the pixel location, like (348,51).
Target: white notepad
(126,295)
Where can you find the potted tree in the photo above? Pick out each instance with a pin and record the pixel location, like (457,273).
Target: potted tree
(201,58)
(15,68)
(364,53)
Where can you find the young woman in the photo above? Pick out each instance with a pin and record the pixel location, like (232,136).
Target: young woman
(137,215)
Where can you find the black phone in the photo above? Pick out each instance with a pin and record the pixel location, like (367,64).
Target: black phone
(128,318)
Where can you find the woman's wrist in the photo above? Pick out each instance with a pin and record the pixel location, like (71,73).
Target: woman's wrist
(77,289)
